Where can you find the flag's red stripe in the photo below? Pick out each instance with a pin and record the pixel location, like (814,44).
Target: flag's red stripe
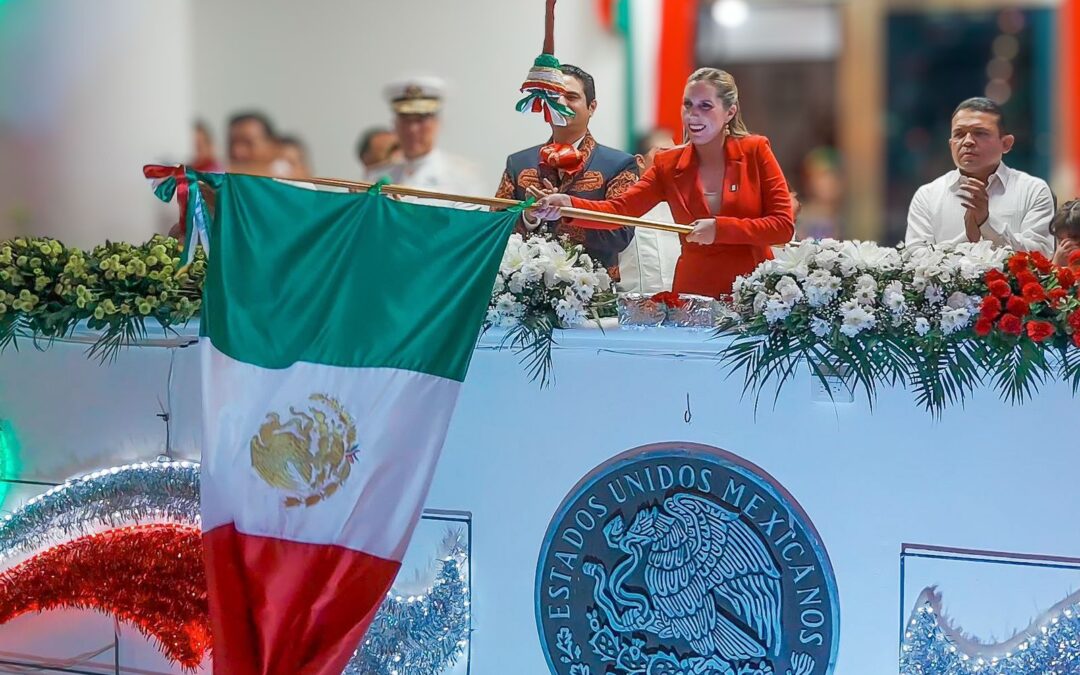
(675,61)
(313,602)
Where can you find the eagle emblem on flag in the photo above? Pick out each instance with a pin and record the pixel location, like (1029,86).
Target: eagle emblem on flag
(309,455)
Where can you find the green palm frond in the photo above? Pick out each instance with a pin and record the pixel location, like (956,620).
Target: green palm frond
(533,339)
(1018,370)
(944,372)
(1069,367)
(118,335)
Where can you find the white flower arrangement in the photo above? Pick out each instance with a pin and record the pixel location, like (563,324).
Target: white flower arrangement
(544,284)
(833,288)
(881,314)
(540,275)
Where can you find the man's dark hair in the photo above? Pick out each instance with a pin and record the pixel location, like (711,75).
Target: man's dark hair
(200,125)
(984,105)
(586,80)
(364,143)
(253,116)
(293,140)
(644,144)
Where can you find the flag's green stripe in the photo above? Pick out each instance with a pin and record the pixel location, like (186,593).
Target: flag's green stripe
(347,279)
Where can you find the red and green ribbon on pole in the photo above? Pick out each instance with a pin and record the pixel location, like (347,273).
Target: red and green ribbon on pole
(183,183)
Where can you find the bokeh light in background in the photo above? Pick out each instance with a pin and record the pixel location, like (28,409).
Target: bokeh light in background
(730,13)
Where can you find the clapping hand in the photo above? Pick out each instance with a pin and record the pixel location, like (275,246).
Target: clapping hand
(976,204)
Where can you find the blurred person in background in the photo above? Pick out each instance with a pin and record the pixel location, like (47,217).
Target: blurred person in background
(982,198)
(293,152)
(648,263)
(818,215)
(573,163)
(253,145)
(1066,227)
(205,157)
(726,182)
(254,148)
(377,147)
(417,104)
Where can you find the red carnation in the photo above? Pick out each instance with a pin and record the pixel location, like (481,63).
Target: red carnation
(1034,292)
(1000,288)
(1074,258)
(991,307)
(1076,339)
(669,299)
(1056,296)
(1041,262)
(1024,278)
(1017,306)
(1018,262)
(983,326)
(1039,330)
(1011,324)
(1074,321)
(1066,277)
(995,275)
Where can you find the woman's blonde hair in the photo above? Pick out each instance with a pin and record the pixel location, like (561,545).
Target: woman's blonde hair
(727,92)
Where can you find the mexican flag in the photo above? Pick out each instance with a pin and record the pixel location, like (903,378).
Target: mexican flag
(337,330)
(658,53)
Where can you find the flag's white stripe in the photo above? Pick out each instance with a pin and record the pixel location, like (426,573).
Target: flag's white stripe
(401,419)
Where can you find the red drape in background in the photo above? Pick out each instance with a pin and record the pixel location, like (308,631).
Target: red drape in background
(675,61)
(1069,89)
(605,10)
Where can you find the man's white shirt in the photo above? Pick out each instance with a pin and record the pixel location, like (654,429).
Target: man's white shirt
(1021,207)
(436,171)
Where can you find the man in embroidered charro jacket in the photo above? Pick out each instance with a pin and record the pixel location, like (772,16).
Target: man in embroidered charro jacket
(573,163)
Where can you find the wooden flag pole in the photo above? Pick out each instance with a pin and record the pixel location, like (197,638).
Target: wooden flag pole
(493,203)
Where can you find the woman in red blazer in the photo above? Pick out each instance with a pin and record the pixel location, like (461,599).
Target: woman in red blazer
(725,181)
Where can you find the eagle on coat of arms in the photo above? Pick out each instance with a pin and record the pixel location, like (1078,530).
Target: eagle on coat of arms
(309,456)
(710,581)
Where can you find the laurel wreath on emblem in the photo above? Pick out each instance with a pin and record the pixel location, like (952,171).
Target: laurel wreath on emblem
(630,657)
(309,456)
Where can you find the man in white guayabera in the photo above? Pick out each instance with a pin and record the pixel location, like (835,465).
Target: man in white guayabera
(983,198)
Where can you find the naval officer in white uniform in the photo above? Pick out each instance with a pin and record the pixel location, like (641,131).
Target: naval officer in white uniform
(416,103)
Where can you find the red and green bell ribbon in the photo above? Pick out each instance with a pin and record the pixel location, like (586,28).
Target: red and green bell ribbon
(183,183)
(543,87)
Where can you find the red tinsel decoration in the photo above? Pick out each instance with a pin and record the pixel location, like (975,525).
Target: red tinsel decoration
(151,576)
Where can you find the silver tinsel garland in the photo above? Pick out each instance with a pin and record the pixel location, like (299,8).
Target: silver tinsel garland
(639,310)
(421,634)
(930,647)
(135,493)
